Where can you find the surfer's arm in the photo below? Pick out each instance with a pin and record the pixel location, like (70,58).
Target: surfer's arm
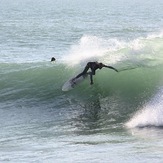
(110,67)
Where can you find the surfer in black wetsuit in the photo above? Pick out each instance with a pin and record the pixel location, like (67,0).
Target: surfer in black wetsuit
(93,66)
(53,59)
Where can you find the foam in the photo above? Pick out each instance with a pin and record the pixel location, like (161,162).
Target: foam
(150,115)
(112,51)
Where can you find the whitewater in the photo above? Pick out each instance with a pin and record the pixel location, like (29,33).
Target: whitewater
(118,118)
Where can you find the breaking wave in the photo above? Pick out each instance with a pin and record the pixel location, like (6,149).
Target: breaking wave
(140,65)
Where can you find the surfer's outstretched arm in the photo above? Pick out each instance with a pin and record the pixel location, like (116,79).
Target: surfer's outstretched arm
(110,67)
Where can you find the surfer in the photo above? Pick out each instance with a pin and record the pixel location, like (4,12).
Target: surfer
(53,59)
(93,66)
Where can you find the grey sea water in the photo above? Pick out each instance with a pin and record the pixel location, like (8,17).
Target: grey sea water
(118,119)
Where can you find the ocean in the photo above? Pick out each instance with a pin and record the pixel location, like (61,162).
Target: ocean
(118,119)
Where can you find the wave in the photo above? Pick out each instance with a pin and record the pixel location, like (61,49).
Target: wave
(150,115)
(139,62)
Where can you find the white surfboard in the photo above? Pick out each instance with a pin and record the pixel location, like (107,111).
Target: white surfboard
(72,84)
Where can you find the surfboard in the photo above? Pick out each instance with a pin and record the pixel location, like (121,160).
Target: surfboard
(71,84)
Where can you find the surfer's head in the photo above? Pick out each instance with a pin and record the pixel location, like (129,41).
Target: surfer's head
(53,59)
(100,65)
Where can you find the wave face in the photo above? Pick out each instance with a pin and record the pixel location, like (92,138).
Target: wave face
(114,96)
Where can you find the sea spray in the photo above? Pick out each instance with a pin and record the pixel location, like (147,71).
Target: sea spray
(92,48)
(140,52)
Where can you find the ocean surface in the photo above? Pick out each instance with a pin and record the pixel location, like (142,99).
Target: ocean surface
(118,119)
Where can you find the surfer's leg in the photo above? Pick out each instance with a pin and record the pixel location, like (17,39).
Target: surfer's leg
(84,72)
(79,75)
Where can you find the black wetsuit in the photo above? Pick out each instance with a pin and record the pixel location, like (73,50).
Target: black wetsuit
(93,66)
